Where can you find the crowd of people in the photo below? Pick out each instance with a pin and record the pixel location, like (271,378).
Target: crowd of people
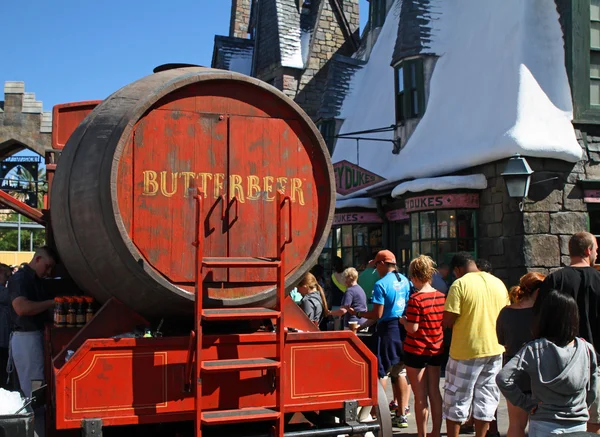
(536,344)
(24,303)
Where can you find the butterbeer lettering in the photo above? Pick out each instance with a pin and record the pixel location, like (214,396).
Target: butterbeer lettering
(253,187)
(268,188)
(235,187)
(297,190)
(187,175)
(163,184)
(281,184)
(150,184)
(169,184)
(218,184)
(204,177)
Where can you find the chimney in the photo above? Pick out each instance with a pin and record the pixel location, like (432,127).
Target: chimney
(240,18)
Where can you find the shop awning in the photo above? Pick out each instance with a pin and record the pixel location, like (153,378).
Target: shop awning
(470,182)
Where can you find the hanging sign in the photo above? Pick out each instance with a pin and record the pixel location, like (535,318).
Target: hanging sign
(353,218)
(442,201)
(591,196)
(350,177)
(397,215)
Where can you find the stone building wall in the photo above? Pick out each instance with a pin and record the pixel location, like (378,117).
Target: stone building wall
(500,226)
(328,40)
(23,123)
(535,240)
(306,86)
(240,18)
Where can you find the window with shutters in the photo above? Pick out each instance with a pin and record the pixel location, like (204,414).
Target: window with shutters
(581,25)
(410,95)
(377,13)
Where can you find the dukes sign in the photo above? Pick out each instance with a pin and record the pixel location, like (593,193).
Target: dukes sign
(350,177)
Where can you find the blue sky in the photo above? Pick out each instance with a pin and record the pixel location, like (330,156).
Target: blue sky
(74,50)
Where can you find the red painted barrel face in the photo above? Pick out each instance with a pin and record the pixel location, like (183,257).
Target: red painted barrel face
(231,142)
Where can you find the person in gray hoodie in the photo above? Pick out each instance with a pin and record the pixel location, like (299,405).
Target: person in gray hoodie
(562,368)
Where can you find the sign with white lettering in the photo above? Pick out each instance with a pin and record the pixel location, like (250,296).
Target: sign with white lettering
(397,215)
(591,196)
(354,218)
(442,201)
(350,177)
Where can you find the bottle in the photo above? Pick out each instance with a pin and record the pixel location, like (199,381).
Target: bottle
(80,313)
(60,316)
(89,312)
(71,313)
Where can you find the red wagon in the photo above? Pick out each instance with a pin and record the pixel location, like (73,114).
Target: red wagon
(192,200)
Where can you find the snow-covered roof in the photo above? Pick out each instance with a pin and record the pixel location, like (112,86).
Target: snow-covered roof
(295,33)
(359,202)
(499,88)
(339,77)
(473,182)
(370,101)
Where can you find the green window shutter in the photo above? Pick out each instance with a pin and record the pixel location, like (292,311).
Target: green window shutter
(420,88)
(406,104)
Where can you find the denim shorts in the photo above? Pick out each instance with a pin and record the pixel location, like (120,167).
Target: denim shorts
(541,428)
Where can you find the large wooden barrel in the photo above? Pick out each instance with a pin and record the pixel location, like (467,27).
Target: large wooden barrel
(122,206)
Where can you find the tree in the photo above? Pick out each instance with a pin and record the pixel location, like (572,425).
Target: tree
(25,184)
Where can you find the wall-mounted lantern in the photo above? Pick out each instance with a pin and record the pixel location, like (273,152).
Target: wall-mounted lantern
(517,176)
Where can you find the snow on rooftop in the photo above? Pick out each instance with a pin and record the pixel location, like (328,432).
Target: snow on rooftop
(499,88)
(370,102)
(472,182)
(360,202)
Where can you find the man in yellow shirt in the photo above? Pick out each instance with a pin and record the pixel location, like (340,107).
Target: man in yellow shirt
(471,310)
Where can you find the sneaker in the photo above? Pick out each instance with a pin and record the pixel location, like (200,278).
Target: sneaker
(400,422)
(407,411)
(393,406)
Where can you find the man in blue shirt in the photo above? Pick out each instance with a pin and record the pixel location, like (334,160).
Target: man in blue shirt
(390,296)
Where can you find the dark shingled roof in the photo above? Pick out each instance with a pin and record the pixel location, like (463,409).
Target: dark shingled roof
(339,78)
(414,31)
(227,47)
(267,35)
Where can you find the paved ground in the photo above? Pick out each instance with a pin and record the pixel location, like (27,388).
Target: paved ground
(412,427)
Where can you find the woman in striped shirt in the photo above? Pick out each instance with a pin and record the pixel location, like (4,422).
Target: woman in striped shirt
(423,345)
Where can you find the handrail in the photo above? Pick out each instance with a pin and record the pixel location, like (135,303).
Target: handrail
(22,208)
(290,227)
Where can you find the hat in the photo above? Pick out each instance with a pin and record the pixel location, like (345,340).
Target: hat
(386,256)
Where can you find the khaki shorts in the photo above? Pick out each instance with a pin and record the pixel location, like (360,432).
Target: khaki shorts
(595,409)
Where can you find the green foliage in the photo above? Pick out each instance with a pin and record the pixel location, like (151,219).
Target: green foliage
(9,237)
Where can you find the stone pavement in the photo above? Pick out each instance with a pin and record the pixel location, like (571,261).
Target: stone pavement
(412,427)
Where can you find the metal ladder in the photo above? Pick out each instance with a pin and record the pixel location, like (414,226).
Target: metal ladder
(202,315)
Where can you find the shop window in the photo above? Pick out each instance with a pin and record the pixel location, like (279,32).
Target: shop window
(377,13)
(410,95)
(594,219)
(354,244)
(440,234)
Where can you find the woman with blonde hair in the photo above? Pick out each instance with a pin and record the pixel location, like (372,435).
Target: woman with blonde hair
(313,301)
(423,346)
(354,298)
(514,329)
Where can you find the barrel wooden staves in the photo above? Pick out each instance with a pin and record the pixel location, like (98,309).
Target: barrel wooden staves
(122,207)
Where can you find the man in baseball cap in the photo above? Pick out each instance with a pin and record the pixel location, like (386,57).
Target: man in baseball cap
(390,296)
(384,256)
